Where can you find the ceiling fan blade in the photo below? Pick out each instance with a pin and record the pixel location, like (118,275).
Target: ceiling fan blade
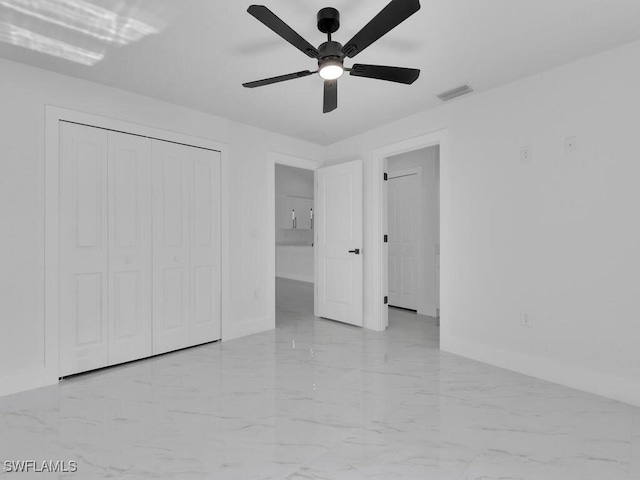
(390,17)
(281,78)
(381,72)
(272,21)
(330,96)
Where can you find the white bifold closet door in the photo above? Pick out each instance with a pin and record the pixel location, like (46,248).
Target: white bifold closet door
(186,239)
(129,248)
(205,299)
(139,257)
(84,249)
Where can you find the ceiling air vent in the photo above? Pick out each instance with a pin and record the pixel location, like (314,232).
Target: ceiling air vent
(456,92)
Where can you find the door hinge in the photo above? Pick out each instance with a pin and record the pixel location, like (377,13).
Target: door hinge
(386,238)
(386,300)
(386,176)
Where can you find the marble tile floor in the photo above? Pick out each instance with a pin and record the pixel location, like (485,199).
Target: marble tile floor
(316,399)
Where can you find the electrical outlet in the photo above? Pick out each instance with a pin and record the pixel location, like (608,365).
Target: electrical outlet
(526,320)
(570,144)
(525,154)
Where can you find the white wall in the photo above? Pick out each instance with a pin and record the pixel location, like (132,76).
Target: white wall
(295,262)
(24,92)
(293,182)
(427,240)
(559,235)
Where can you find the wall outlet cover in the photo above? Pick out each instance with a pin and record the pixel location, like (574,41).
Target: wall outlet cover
(526,319)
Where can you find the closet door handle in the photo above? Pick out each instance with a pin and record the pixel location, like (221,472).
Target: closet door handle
(356,251)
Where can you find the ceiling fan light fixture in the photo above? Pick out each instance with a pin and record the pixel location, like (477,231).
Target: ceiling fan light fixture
(331,69)
(330,54)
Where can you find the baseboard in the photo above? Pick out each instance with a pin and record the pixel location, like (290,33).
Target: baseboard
(428,311)
(249,327)
(23,381)
(621,389)
(299,278)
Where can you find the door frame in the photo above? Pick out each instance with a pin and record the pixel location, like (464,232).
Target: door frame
(379,224)
(274,158)
(53,116)
(417,218)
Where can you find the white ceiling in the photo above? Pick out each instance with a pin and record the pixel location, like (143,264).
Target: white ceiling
(204,50)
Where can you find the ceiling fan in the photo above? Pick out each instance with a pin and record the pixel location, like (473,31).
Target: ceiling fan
(331,54)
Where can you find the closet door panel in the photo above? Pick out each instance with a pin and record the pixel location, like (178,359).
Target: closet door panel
(205,246)
(171,282)
(130,280)
(83,251)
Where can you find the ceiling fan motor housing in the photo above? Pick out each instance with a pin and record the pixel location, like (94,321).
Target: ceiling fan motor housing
(329,52)
(328,20)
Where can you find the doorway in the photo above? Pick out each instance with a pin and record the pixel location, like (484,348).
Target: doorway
(413,229)
(418,280)
(335,219)
(294,239)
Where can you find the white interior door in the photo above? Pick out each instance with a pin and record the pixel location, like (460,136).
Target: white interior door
(205,324)
(171,178)
(403,198)
(130,281)
(338,222)
(393,285)
(83,251)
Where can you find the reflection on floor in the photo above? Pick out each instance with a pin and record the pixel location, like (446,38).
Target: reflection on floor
(316,399)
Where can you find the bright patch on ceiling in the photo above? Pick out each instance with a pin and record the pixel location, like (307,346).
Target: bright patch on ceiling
(84,17)
(76,30)
(22,37)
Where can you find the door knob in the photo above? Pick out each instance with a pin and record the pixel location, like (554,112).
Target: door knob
(127,260)
(176,258)
(356,251)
